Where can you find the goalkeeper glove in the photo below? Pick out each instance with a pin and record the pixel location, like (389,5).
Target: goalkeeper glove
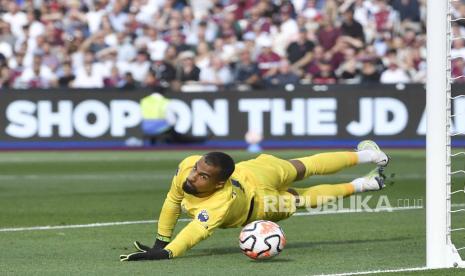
(150,254)
(160,243)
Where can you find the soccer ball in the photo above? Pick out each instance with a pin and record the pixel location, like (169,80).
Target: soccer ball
(262,239)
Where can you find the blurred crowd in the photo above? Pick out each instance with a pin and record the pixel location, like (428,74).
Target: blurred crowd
(211,45)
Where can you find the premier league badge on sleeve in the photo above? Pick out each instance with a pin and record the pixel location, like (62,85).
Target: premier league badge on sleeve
(203,216)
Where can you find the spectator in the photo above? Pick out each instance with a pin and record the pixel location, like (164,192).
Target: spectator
(171,55)
(350,27)
(66,76)
(97,42)
(164,72)
(124,48)
(74,20)
(458,48)
(114,79)
(458,70)
(310,11)
(328,34)
(288,28)
(313,67)
(152,82)
(369,72)
(285,75)
(155,45)
(140,66)
(349,72)
(7,41)
(49,58)
(187,71)
(88,76)
(7,37)
(17,67)
(36,27)
(202,58)
(325,74)
(257,22)
(37,76)
(129,83)
(267,60)
(407,9)
(189,26)
(107,59)
(394,74)
(94,15)
(229,27)
(384,16)
(247,71)
(5,73)
(177,40)
(362,14)
(299,53)
(217,73)
(16,19)
(330,10)
(118,16)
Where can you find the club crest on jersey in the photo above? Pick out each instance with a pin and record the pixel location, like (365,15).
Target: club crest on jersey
(237,184)
(203,216)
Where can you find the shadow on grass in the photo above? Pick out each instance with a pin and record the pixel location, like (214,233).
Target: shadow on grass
(279,260)
(289,246)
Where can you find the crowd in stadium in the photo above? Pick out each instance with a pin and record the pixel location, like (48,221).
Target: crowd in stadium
(211,45)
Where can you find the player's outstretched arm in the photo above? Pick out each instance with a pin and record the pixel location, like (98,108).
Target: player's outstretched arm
(191,235)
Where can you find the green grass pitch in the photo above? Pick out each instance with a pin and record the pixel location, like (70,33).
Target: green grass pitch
(72,188)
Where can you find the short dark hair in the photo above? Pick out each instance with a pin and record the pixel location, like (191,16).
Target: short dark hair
(223,161)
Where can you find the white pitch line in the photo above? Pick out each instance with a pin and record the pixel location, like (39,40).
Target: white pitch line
(74,226)
(103,224)
(376,271)
(345,211)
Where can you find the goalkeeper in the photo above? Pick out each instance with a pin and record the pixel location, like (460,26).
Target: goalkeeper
(216,193)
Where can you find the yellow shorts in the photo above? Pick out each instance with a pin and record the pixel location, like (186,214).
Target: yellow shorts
(273,177)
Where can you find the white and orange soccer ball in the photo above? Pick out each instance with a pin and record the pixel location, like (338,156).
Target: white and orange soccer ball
(262,239)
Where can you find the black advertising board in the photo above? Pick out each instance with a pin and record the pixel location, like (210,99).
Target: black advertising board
(309,116)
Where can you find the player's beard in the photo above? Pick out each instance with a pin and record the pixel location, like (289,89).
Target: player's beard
(189,188)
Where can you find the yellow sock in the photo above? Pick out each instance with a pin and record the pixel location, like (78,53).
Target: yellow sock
(320,194)
(328,163)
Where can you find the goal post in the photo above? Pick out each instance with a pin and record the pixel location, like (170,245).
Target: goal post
(440,251)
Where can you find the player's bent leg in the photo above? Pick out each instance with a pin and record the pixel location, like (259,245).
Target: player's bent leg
(324,163)
(320,194)
(327,163)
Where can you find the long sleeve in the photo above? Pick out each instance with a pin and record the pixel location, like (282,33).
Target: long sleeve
(192,234)
(200,228)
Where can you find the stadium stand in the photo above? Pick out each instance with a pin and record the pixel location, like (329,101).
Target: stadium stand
(214,45)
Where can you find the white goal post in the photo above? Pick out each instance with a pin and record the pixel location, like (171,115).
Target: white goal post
(440,251)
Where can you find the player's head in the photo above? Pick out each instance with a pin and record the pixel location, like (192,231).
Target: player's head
(209,174)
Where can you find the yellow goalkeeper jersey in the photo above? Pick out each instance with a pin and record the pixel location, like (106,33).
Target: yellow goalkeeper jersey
(228,207)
